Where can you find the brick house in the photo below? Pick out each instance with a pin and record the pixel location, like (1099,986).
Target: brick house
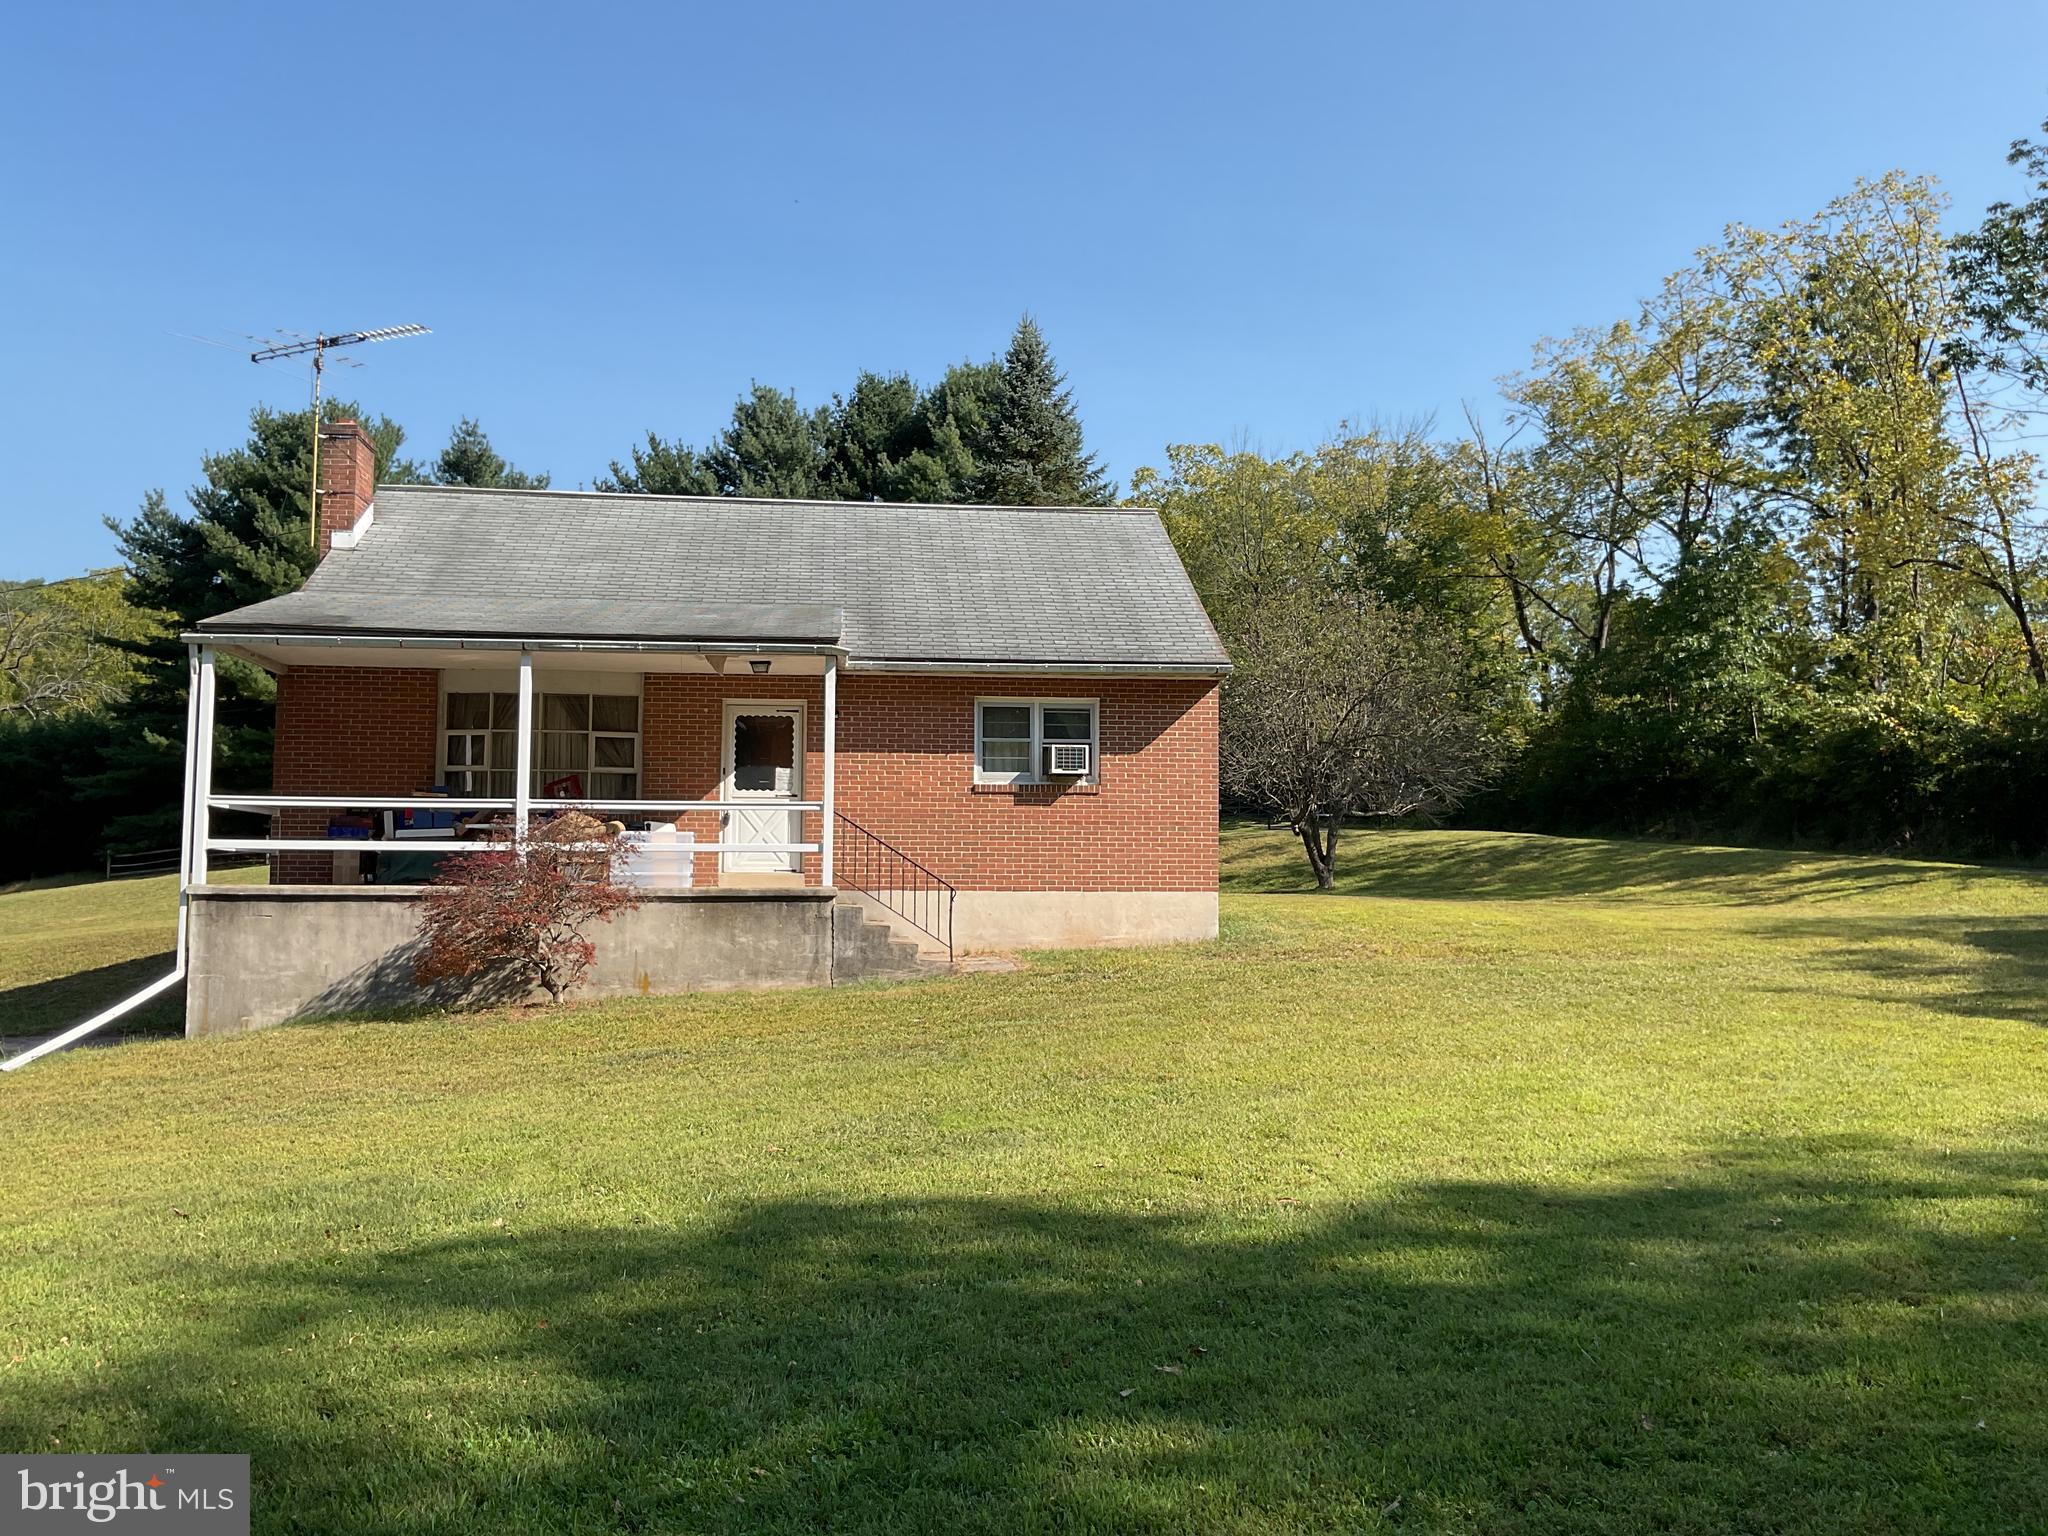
(849,737)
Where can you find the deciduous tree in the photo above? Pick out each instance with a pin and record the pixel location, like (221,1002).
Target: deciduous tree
(2001,268)
(1340,707)
(521,912)
(64,644)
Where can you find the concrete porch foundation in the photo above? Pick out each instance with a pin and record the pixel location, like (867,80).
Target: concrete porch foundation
(997,921)
(1000,922)
(270,954)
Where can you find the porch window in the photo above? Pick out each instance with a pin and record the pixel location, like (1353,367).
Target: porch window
(1012,737)
(586,746)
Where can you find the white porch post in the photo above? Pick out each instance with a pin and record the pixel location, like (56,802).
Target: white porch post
(522,783)
(831,768)
(200,753)
(188,822)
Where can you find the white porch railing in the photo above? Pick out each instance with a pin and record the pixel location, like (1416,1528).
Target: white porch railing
(487,834)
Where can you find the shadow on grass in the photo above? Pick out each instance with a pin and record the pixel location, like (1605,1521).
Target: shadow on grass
(50,882)
(1469,866)
(43,1007)
(1972,967)
(1786,1337)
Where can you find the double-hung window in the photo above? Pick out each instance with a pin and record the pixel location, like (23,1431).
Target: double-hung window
(1013,738)
(586,746)
(480,745)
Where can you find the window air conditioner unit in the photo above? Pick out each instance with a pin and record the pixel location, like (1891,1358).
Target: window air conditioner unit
(1066,759)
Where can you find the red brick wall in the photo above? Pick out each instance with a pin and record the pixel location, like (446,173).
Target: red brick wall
(906,769)
(906,773)
(351,730)
(682,747)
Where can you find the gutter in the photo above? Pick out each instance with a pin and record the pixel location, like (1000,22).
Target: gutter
(196,680)
(714,647)
(495,643)
(1048,668)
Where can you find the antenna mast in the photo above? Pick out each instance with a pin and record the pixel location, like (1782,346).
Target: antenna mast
(319,346)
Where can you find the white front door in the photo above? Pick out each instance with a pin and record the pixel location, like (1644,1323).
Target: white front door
(764,767)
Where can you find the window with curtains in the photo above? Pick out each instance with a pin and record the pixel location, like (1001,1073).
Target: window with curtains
(586,746)
(1011,736)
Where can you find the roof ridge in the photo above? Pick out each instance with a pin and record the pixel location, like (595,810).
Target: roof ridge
(1120,510)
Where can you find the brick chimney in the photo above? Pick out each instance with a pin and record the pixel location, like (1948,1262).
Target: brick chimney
(348,478)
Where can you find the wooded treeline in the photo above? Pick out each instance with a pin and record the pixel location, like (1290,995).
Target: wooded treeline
(1764,559)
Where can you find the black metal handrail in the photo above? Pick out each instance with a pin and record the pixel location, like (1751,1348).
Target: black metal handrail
(863,862)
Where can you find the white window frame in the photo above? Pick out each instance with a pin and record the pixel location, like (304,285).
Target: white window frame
(478,737)
(478,745)
(586,684)
(1036,773)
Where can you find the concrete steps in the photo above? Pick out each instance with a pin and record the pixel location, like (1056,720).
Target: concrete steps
(866,946)
(929,948)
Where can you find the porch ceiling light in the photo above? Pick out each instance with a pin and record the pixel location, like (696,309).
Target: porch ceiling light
(759,666)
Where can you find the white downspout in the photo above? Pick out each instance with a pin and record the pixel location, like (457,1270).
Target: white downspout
(191,845)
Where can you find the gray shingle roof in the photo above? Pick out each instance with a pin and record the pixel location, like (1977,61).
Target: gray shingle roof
(342,609)
(1044,585)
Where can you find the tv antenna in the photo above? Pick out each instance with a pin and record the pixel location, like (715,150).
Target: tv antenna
(319,346)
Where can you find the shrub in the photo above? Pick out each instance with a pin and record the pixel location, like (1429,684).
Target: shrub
(519,911)
(1879,774)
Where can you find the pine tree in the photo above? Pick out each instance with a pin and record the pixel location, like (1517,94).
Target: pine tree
(1003,430)
(244,539)
(662,468)
(1033,455)
(950,428)
(871,431)
(469,459)
(773,447)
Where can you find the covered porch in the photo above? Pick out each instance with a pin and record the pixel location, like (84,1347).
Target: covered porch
(721,763)
(720,758)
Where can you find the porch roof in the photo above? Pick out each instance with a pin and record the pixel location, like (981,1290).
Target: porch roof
(889,584)
(333,609)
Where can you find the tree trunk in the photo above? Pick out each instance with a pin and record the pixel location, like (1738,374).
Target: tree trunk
(2035,665)
(550,980)
(1523,622)
(2013,591)
(1319,840)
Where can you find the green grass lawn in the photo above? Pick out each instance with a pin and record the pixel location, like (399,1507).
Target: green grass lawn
(69,948)
(1521,1185)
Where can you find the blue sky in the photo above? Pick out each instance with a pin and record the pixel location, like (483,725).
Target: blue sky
(1235,222)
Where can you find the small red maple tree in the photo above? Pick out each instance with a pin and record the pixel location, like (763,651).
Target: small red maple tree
(518,910)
